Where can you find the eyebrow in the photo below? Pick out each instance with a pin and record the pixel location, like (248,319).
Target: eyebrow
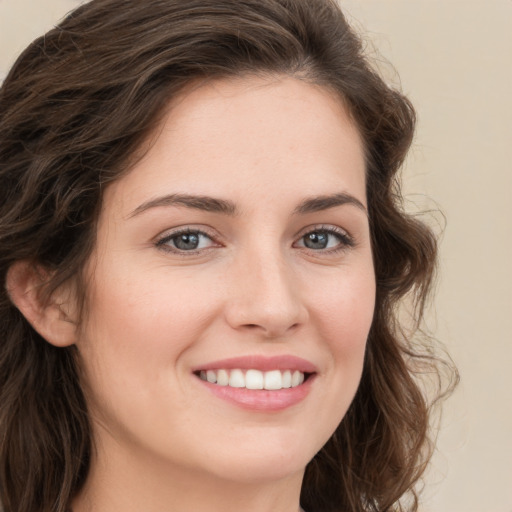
(226,207)
(320,203)
(205,203)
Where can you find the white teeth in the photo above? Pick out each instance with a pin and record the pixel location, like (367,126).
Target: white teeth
(222,378)
(254,379)
(297,378)
(287,379)
(236,379)
(273,380)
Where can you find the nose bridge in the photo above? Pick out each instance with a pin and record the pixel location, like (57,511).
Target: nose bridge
(266,297)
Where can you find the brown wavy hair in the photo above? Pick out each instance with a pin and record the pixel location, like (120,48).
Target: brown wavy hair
(75,109)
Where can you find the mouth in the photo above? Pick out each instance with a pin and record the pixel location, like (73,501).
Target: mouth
(261,384)
(254,379)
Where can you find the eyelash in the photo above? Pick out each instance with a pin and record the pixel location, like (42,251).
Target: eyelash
(346,241)
(162,243)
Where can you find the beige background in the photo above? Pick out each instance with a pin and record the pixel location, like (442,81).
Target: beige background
(454,58)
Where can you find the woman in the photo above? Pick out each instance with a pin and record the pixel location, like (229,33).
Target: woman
(202,251)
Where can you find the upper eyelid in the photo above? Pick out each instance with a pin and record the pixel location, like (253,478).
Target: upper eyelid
(324,227)
(187,228)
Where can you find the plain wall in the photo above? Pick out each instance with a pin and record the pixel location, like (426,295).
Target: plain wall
(454,59)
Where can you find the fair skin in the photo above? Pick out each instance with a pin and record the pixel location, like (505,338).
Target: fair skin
(242,233)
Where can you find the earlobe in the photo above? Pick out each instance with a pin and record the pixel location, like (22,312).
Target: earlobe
(51,318)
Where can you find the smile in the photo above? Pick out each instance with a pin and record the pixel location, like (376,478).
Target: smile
(254,379)
(259,383)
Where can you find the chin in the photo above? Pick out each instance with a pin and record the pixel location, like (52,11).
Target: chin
(264,469)
(263,460)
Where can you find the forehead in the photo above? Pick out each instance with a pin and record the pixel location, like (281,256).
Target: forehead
(253,103)
(226,136)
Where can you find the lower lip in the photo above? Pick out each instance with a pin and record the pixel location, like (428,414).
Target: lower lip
(261,399)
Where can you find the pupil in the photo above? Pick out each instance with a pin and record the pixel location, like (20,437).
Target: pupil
(316,240)
(187,241)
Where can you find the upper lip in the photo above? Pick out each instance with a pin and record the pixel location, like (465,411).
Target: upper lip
(259,362)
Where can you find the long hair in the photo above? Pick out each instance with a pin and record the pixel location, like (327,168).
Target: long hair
(74,111)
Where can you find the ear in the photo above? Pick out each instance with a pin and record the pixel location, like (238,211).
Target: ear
(53,318)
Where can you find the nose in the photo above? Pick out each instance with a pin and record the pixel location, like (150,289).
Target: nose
(265,297)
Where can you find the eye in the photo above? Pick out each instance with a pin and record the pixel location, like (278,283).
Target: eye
(187,240)
(325,239)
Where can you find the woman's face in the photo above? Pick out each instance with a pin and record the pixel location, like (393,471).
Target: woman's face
(237,251)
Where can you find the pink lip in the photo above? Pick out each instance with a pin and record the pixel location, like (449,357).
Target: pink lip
(262,363)
(261,400)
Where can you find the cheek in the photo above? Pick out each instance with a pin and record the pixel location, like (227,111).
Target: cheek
(345,308)
(143,323)
(131,347)
(343,314)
